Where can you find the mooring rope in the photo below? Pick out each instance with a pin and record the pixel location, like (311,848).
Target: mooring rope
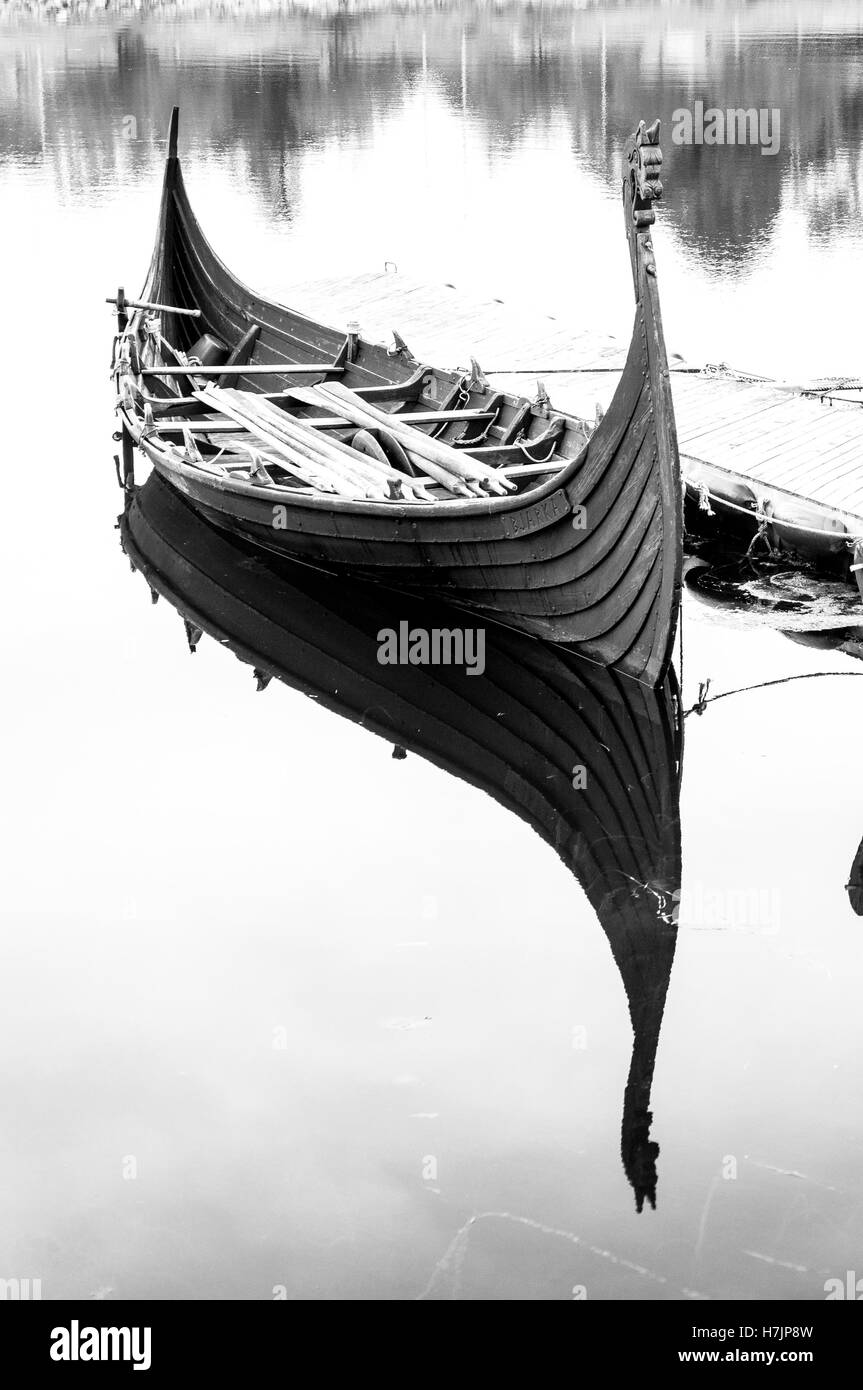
(680,636)
(704,699)
(825,389)
(757,514)
(578,371)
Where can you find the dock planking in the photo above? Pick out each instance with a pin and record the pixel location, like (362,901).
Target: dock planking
(771,439)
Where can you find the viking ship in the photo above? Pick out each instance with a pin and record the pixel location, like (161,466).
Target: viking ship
(361,460)
(589,759)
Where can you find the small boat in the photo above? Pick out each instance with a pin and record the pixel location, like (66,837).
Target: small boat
(764,519)
(589,759)
(364,461)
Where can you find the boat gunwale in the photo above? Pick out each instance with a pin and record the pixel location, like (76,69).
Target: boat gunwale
(331,502)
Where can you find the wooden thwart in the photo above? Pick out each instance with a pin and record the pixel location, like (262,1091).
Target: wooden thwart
(340,422)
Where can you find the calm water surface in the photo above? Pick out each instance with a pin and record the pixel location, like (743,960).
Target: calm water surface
(196,873)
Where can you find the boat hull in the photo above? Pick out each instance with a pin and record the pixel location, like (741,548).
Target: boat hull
(589,759)
(591,558)
(578,562)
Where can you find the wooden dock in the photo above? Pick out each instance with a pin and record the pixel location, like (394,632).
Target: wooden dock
(790,460)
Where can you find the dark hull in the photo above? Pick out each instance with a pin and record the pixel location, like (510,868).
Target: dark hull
(605,582)
(741,510)
(517,732)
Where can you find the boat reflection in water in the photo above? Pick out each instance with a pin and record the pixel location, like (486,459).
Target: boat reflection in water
(588,758)
(854,886)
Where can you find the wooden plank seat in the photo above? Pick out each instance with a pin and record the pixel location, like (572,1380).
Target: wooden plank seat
(333,422)
(403,392)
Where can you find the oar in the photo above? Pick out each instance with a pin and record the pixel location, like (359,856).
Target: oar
(298,432)
(444,476)
(242,455)
(350,487)
(309,447)
(415,442)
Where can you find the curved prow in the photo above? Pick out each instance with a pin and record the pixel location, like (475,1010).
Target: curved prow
(638,1150)
(640,922)
(172,132)
(642,187)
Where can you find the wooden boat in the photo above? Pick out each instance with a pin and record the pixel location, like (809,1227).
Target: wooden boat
(519,734)
(740,511)
(366,462)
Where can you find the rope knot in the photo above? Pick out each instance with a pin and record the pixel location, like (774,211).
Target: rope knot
(702,702)
(704,500)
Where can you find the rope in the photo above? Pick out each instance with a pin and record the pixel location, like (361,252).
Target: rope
(678,703)
(680,635)
(578,371)
(702,702)
(704,492)
(704,699)
(704,500)
(153,330)
(761,535)
(823,389)
(525,448)
(476,439)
